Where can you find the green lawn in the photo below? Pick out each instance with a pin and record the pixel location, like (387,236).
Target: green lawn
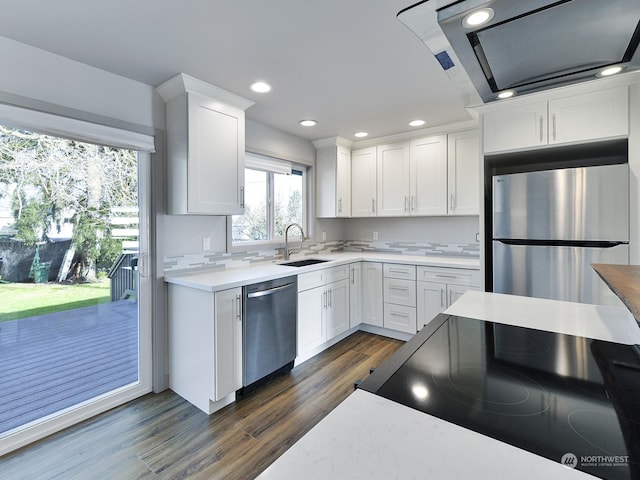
(20,300)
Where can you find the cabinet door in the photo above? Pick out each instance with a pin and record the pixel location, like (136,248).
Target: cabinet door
(428,160)
(399,317)
(393,179)
(454,292)
(355,294)
(363,182)
(215,177)
(311,318)
(515,127)
(337,308)
(372,312)
(431,301)
(228,342)
(343,182)
(589,116)
(463,154)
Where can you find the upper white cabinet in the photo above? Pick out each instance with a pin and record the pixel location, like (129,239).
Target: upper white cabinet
(333,180)
(394,175)
(576,118)
(437,175)
(600,114)
(516,127)
(205,147)
(463,154)
(428,188)
(363,182)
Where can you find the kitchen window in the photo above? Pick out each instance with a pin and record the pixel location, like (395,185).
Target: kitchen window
(274,197)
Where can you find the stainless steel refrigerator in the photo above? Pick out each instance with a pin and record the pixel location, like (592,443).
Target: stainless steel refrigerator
(550,226)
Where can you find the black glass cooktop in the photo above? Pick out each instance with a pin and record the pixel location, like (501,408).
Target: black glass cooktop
(570,399)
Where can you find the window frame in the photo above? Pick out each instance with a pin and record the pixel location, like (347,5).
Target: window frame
(272,241)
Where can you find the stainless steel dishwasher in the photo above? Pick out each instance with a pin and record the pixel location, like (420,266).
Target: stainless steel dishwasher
(270,328)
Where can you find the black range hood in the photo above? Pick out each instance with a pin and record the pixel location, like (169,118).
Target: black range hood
(529,45)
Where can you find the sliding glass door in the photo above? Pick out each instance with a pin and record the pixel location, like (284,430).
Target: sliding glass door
(74,294)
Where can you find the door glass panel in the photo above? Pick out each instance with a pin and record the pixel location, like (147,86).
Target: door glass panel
(69,244)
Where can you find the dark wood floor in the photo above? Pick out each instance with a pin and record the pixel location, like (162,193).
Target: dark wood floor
(161,436)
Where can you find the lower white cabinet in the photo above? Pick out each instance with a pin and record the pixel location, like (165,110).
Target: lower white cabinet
(355,294)
(337,308)
(228,342)
(399,293)
(205,345)
(323,307)
(444,287)
(372,305)
(311,319)
(400,317)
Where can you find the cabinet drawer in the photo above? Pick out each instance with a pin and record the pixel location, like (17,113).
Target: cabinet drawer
(399,317)
(313,279)
(335,274)
(397,270)
(400,292)
(456,276)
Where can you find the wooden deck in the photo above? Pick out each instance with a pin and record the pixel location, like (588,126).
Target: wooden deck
(54,361)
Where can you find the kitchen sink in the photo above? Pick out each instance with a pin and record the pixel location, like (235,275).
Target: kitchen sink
(303,263)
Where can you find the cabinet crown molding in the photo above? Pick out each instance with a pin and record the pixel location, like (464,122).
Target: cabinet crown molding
(332,142)
(184,83)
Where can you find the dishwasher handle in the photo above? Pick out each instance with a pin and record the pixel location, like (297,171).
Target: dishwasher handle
(270,291)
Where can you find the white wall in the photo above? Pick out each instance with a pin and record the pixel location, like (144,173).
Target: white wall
(414,229)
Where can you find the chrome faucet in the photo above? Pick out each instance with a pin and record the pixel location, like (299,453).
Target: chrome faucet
(286,238)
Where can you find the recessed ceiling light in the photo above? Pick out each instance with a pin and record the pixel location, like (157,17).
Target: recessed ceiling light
(308,123)
(417,123)
(477,17)
(260,87)
(506,94)
(360,134)
(609,71)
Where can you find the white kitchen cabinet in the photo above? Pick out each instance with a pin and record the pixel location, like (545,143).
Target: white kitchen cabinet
(311,319)
(228,342)
(439,287)
(523,126)
(399,295)
(205,147)
(323,307)
(337,308)
(428,166)
(394,175)
(205,345)
(463,162)
(599,114)
(576,118)
(372,304)
(333,182)
(363,182)
(400,318)
(355,294)
(431,300)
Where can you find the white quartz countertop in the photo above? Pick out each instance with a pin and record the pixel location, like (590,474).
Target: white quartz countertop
(370,437)
(222,279)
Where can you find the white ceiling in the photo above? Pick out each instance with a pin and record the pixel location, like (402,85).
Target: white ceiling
(350,64)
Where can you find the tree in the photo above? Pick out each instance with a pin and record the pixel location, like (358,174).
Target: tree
(56,181)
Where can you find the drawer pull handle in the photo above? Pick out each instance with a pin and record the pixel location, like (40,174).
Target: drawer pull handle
(394,287)
(441,275)
(394,314)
